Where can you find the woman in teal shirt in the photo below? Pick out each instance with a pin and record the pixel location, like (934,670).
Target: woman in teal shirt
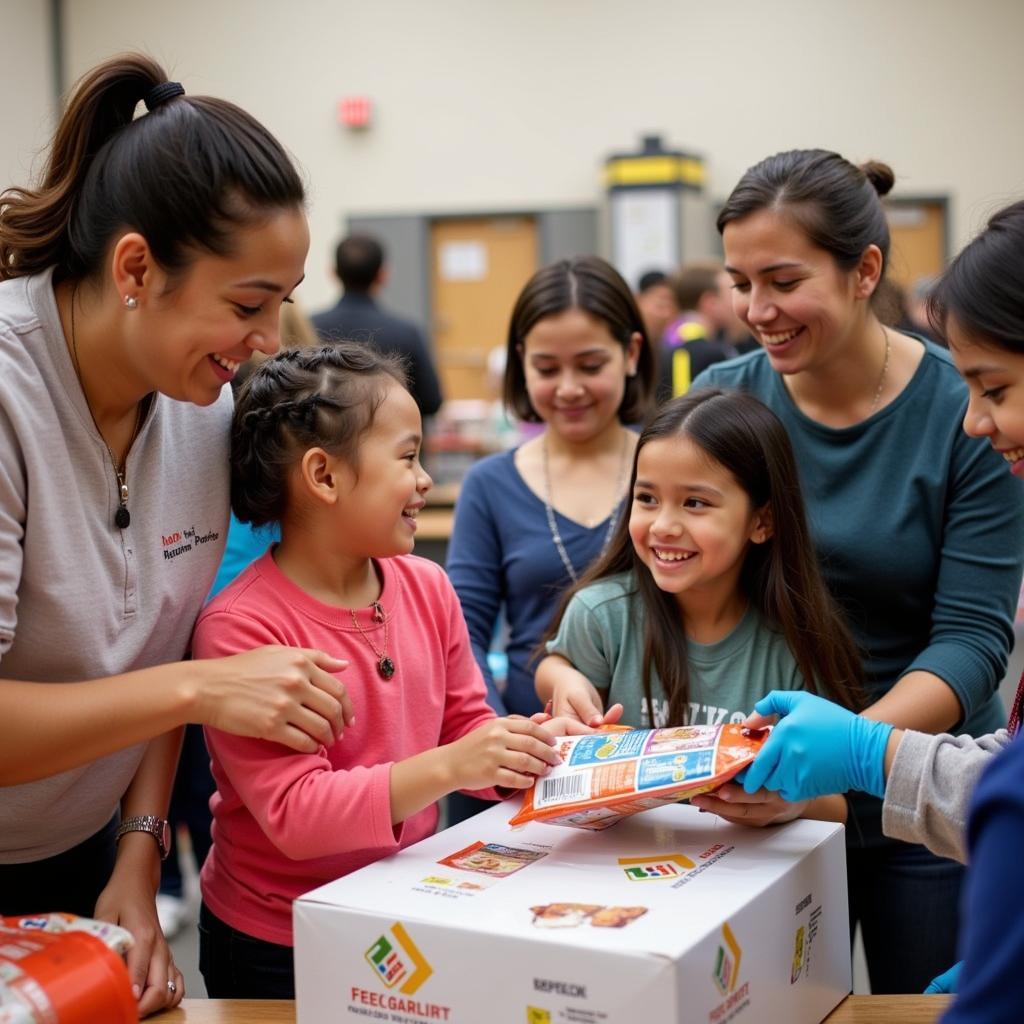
(927,780)
(916,524)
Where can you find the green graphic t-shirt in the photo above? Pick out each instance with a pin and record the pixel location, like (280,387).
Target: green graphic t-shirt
(602,634)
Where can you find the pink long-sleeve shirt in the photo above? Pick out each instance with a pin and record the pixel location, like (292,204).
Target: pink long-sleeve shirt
(285,822)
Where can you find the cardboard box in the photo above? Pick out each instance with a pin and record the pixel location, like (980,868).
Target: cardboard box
(672,915)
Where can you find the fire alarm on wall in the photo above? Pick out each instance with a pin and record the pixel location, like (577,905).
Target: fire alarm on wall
(355,111)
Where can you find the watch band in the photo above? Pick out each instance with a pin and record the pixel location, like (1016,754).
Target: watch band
(158,828)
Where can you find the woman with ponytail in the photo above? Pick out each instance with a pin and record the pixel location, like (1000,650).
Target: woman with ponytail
(145,269)
(916,524)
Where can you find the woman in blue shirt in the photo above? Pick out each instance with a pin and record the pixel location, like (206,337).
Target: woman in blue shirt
(529,522)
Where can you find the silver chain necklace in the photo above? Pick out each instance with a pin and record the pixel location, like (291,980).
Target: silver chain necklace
(122,517)
(550,512)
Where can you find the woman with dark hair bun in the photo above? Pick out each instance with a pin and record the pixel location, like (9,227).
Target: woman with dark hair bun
(916,524)
(928,782)
(145,269)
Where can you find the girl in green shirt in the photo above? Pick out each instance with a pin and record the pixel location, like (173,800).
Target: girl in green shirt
(710,591)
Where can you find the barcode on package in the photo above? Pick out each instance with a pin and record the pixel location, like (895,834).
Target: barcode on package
(562,790)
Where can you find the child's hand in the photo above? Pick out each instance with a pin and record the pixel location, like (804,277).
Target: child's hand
(507,752)
(562,726)
(756,810)
(577,698)
(284,694)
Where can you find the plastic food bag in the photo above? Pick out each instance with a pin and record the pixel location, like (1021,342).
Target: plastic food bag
(59,967)
(616,772)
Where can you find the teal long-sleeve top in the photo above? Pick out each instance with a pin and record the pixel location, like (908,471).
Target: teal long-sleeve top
(919,530)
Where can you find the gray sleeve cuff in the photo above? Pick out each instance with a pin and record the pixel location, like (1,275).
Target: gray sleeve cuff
(929,789)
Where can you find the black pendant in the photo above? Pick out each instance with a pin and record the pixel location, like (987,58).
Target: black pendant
(386,667)
(122,517)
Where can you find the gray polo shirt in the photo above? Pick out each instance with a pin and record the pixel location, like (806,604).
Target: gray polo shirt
(79,598)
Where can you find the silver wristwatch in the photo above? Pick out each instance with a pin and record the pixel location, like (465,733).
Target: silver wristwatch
(158,828)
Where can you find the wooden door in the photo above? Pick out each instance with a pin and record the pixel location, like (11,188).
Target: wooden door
(918,231)
(478,267)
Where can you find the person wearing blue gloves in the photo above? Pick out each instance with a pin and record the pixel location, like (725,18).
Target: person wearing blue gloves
(925,782)
(961,796)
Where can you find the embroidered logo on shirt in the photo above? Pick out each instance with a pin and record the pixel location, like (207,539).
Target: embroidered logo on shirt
(178,542)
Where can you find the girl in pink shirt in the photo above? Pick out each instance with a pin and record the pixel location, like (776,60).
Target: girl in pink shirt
(326,442)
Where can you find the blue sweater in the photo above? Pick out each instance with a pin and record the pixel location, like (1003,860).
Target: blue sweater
(992,927)
(501,553)
(918,529)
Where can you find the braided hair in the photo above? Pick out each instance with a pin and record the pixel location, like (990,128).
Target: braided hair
(302,398)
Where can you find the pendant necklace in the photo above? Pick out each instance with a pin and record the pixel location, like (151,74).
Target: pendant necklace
(550,512)
(385,666)
(122,517)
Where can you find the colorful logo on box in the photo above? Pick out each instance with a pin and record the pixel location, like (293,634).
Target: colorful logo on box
(727,962)
(395,958)
(649,869)
(535,1015)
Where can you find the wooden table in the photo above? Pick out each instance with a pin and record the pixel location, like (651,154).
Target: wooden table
(443,495)
(434,527)
(854,1010)
(434,524)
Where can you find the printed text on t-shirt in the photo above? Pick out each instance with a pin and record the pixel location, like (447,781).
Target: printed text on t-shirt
(693,714)
(177,542)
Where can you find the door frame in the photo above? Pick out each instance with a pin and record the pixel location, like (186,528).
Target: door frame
(942,201)
(562,231)
(453,222)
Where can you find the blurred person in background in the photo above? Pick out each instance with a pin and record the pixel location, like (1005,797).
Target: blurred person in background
(656,300)
(707,331)
(917,308)
(361,267)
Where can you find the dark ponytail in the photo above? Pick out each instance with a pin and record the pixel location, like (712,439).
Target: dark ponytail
(184,176)
(837,205)
(302,398)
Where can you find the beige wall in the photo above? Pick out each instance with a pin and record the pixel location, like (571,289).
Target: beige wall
(483,105)
(26,84)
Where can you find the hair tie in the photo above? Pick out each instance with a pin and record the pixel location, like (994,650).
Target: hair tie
(161,93)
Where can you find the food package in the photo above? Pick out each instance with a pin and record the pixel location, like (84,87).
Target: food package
(615,772)
(60,967)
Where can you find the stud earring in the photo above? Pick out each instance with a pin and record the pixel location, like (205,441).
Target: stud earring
(131,302)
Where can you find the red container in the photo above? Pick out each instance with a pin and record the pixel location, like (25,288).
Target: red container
(70,977)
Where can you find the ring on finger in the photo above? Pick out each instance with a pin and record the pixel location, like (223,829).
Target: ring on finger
(172,988)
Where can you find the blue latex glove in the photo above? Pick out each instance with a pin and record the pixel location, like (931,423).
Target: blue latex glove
(817,748)
(948,981)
